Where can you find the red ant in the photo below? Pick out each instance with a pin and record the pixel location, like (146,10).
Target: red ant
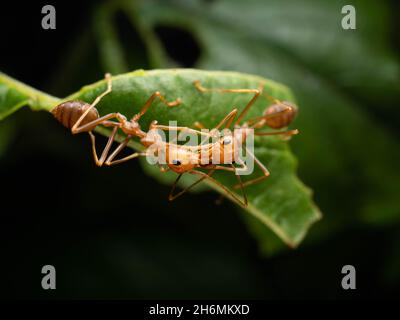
(81,117)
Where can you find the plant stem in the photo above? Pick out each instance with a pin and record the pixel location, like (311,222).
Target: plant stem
(36,99)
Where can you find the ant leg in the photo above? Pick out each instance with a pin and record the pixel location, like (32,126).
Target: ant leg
(185,129)
(108,123)
(75,128)
(150,101)
(154,125)
(120,147)
(172,196)
(94,152)
(240,184)
(287,133)
(108,146)
(275,100)
(256,92)
(181,129)
(219,167)
(102,120)
(255,180)
(258,122)
(212,168)
(199,125)
(225,189)
(203,177)
(99,162)
(132,156)
(227,120)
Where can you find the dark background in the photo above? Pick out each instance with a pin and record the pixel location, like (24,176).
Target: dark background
(110,232)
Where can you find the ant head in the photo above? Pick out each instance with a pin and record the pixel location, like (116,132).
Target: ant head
(180,160)
(239,135)
(228,146)
(226,140)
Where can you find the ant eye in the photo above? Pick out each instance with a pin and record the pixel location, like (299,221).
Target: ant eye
(176,162)
(226,141)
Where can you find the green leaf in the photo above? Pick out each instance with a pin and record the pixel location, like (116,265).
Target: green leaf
(282,203)
(14,95)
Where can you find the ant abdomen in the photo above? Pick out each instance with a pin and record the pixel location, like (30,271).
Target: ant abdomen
(284,118)
(67,113)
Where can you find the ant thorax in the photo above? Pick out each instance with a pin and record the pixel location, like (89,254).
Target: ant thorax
(132,128)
